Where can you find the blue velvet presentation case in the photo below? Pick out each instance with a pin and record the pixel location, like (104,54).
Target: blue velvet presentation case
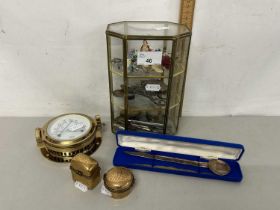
(177,147)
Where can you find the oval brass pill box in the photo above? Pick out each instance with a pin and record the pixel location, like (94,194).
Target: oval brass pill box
(119,181)
(86,170)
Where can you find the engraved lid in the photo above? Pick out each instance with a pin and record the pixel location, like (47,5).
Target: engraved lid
(118,179)
(84,165)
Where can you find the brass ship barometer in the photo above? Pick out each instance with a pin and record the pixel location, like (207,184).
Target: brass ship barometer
(64,136)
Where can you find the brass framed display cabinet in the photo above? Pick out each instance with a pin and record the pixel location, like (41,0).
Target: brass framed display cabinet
(147,66)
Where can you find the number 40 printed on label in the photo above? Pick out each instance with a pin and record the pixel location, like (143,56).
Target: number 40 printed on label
(149,58)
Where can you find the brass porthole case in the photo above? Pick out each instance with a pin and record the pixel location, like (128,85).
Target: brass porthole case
(119,181)
(58,144)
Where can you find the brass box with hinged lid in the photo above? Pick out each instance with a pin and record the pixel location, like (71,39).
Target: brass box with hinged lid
(86,170)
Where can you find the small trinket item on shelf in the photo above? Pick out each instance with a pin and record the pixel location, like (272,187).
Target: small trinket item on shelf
(179,155)
(85,170)
(147,66)
(64,136)
(118,181)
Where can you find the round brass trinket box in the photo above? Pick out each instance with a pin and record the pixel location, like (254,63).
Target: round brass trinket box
(64,136)
(119,181)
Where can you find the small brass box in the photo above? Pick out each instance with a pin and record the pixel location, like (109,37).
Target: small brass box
(119,181)
(85,170)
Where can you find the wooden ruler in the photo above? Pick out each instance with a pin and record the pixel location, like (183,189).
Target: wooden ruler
(186,12)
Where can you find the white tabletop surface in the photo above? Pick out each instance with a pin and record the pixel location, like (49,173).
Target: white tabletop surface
(29,181)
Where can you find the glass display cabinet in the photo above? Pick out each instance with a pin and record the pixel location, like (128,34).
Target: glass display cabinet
(147,66)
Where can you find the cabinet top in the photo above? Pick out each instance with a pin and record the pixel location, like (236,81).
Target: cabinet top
(148,29)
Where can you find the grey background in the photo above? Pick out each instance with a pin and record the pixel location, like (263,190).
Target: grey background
(29,181)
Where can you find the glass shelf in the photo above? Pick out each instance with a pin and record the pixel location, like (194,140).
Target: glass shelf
(148,74)
(140,103)
(159,108)
(147,77)
(120,74)
(142,109)
(145,72)
(139,76)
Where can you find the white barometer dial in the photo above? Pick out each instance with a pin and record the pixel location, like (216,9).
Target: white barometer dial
(69,127)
